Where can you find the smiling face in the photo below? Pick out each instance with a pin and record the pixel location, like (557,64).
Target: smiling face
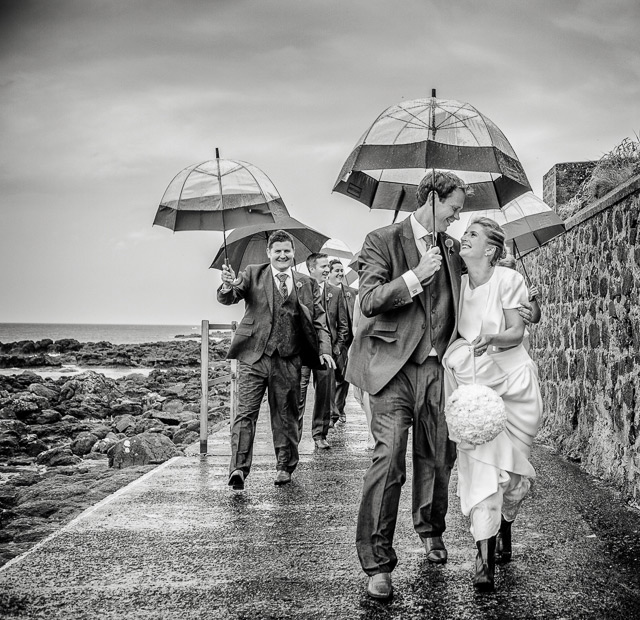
(447,210)
(280,255)
(321,270)
(336,274)
(475,246)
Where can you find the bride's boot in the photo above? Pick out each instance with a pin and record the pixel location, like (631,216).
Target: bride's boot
(503,542)
(485,564)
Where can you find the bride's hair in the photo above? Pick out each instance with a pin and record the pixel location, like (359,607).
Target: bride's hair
(495,237)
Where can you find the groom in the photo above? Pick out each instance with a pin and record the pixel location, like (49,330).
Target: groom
(409,292)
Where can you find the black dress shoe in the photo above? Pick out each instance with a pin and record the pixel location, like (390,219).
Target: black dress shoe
(236,480)
(436,551)
(282,477)
(503,542)
(485,565)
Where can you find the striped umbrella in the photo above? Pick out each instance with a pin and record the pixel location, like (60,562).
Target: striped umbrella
(527,221)
(248,245)
(413,137)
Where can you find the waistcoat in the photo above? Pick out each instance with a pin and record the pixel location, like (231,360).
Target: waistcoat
(285,334)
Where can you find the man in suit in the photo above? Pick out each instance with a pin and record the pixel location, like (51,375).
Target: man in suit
(324,378)
(409,292)
(336,278)
(283,328)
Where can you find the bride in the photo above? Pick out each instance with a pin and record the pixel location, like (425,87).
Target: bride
(493,478)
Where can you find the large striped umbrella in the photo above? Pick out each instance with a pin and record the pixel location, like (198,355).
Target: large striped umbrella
(414,137)
(527,220)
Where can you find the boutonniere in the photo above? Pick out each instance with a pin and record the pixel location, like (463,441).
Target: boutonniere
(299,284)
(329,295)
(348,295)
(449,244)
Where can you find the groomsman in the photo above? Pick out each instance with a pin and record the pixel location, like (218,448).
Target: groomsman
(283,328)
(336,278)
(324,378)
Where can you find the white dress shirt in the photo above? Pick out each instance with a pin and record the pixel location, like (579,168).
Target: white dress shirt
(420,233)
(288,281)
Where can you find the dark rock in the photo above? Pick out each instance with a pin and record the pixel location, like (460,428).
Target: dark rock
(174,418)
(144,449)
(32,445)
(126,406)
(102,445)
(58,456)
(83,443)
(47,416)
(41,390)
(185,437)
(124,424)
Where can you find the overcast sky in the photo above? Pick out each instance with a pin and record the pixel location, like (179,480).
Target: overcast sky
(103,102)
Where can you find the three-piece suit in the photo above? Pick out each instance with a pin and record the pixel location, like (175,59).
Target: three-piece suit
(278,334)
(396,358)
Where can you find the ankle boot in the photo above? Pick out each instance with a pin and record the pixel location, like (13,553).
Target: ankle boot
(503,542)
(485,565)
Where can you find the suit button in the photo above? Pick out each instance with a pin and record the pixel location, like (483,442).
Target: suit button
(424,326)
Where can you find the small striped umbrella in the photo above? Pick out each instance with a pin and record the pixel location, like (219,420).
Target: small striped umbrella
(527,221)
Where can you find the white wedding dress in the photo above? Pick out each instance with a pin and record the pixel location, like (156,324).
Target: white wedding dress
(494,477)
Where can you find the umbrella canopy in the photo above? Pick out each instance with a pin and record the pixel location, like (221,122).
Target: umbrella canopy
(248,245)
(219,194)
(527,220)
(408,139)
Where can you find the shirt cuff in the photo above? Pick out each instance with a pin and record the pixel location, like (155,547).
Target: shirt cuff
(412,282)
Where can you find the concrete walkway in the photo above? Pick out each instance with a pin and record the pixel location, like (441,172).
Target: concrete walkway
(178,543)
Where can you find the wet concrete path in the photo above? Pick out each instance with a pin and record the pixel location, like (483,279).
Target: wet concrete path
(178,543)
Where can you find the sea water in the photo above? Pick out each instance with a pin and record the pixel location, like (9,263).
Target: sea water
(90,332)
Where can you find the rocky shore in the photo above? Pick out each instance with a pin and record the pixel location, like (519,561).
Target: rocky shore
(67,443)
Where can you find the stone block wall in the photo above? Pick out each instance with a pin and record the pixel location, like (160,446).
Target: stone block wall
(561,183)
(587,345)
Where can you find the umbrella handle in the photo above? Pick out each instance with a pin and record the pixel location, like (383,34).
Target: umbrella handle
(433,207)
(526,275)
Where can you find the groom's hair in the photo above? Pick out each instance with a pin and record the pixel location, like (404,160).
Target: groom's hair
(443,182)
(495,237)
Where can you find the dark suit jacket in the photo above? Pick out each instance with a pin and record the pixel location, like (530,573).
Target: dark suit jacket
(349,294)
(256,286)
(337,324)
(336,317)
(392,321)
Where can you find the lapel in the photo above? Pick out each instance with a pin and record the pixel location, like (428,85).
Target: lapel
(267,286)
(412,256)
(346,301)
(454,271)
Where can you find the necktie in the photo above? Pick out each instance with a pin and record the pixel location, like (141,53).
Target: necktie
(284,291)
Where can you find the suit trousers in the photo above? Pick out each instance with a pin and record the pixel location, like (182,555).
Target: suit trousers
(342,389)
(414,398)
(325,387)
(281,378)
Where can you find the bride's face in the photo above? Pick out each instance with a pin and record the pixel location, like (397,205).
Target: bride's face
(474,245)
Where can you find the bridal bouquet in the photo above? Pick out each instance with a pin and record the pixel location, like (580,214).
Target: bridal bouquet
(475,414)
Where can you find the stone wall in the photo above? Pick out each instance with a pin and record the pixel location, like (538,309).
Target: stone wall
(562,182)
(588,342)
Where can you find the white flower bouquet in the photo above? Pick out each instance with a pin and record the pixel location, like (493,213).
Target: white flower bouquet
(475,414)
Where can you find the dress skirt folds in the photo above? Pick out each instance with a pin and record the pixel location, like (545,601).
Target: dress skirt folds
(502,465)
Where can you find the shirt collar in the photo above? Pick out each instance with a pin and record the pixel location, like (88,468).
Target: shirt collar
(276,272)
(419,231)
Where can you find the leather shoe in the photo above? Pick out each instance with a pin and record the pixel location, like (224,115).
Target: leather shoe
(436,551)
(282,477)
(322,444)
(380,586)
(503,542)
(236,480)
(484,579)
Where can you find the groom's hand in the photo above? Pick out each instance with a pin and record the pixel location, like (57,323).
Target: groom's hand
(429,264)
(526,312)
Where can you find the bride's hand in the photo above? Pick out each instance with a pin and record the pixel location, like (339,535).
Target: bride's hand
(481,344)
